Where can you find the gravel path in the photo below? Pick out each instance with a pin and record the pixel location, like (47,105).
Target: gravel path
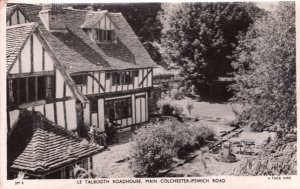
(106,163)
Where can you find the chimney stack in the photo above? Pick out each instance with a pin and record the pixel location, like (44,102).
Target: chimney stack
(53,17)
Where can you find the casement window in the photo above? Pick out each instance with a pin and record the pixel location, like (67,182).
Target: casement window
(79,79)
(118,108)
(49,87)
(127,78)
(94,106)
(119,78)
(116,78)
(105,35)
(30,89)
(107,76)
(136,73)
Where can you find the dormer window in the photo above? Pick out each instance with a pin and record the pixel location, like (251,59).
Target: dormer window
(105,35)
(100,27)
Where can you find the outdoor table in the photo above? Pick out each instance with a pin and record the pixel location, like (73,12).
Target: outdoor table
(248,145)
(240,146)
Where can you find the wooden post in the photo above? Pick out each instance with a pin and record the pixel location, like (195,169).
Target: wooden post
(91,163)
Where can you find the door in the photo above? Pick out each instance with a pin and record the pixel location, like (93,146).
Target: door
(140,106)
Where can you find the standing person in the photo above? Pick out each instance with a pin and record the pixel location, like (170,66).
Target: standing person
(108,129)
(92,133)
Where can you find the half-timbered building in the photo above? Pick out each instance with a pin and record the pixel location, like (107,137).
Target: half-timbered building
(38,83)
(103,56)
(75,67)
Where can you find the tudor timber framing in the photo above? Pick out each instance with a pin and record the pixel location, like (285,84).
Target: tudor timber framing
(118,93)
(34,29)
(96,80)
(30,74)
(145,77)
(68,79)
(104,87)
(18,9)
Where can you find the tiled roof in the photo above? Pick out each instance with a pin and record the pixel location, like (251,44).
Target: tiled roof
(16,36)
(92,18)
(78,53)
(36,145)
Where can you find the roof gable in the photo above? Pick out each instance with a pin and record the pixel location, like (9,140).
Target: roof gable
(16,38)
(13,10)
(10,10)
(99,19)
(37,145)
(92,18)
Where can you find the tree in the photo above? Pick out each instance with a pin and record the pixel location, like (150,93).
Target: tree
(266,76)
(200,38)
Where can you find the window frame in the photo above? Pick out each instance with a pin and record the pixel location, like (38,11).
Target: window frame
(124,81)
(94,106)
(77,77)
(122,78)
(118,108)
(102,35)
(22,93)
(116,81)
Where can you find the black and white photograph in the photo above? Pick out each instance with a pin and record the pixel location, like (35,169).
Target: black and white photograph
(150,90)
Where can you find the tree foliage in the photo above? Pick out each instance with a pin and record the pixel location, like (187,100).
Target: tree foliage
(200,38)
(266,76)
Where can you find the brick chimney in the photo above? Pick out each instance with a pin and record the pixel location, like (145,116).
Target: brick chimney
(53,17)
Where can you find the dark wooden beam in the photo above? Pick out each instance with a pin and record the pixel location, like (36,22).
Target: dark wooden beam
(43,59)
(18,91)
(18,17)
(64,89)
(65,114)
(134,109)
(31,54)
(44,109)
(42,73)
(141,83)
(118,93)
(91,163)
(151,77)
(27,90)
(55,112)
(36,88)
(20,63)
(93,83)
(8,121)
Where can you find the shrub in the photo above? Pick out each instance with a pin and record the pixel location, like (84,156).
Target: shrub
(154,146)
(151,150)
(169,108)
(176,94)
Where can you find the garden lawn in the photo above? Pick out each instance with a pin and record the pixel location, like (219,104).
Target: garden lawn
(113,163)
